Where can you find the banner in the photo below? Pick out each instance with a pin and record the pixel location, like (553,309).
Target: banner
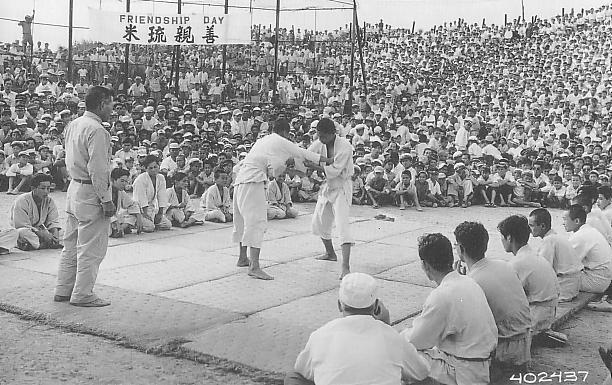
(184,29)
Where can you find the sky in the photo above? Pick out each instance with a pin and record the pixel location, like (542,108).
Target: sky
(425,13)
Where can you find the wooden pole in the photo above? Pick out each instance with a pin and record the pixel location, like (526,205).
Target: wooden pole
(413,25)
(360,47)
(178,57)
(126,63)
(70,14)
(275,93)
(224,67)
(505,19)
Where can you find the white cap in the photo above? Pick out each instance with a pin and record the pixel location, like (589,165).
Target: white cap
(358,290)
(379,169)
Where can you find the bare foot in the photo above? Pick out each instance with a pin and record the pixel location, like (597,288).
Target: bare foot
(260,274)
(344,272)
(243,262)
(327,257)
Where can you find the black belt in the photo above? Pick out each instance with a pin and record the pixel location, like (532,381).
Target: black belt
(82,181)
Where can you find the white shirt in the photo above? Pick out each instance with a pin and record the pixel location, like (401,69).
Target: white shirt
(592,249)
(456,318)
(536,274)
(559,252)
(597,221)
(358,349)
(168,164)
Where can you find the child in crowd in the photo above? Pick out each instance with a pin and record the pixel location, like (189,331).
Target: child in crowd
(376,188)
(19,174)
(216,201)
(423,193)
(127,216)
(557,195)
(523,188)
(206,177)
(358,187)
(487,187)
(435,189)
(572,189)
(460,187)
(309,187)
(279,199)
(180,210)
(406,192)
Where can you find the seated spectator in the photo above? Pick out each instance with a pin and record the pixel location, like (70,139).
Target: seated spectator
(151,195)
(377,188)
(216,200)
(504,293)
(36,218)
(180,210)
(280,205)
(523,189)
(536,274)
(460,186)
(358,187)
(360,347)
(557,195)
(309,187)
(558,251)
(592,250)
(3,168)
(19,174)
(128,216)
(487,187)
(406,192)
(455,333)
(587,199)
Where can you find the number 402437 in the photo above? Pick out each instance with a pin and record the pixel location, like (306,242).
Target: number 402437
(559,377)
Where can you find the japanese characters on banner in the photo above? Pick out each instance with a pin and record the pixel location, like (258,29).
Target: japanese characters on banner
(185,29)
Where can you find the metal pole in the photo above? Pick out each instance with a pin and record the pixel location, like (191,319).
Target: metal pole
(70,11)
(275,93)
(178,57)
(224,48)
(127,56)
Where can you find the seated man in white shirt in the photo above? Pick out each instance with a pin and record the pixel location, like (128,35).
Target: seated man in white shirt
(536,274)
(557,250)
(360,347)
(591,248)
(456,331)
(505,295)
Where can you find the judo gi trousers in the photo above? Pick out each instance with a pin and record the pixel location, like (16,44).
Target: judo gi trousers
(250,214)
(85,243)
(8,238)
(26,234)
(327,212)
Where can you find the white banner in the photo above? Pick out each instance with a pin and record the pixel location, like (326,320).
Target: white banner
(185,29)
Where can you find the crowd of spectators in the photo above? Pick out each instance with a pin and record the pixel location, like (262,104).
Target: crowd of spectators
(458,115)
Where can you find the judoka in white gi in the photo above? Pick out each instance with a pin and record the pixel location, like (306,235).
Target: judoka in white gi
(280,205)
(269,156)
(152,197)
(335,196)
(216,201)
(180,208)
(35,217)
(127,216)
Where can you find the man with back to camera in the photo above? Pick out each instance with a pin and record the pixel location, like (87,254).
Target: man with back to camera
(536,274)
(504,293)
(89,204)
(455,333)
(335,196)
(360,347)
